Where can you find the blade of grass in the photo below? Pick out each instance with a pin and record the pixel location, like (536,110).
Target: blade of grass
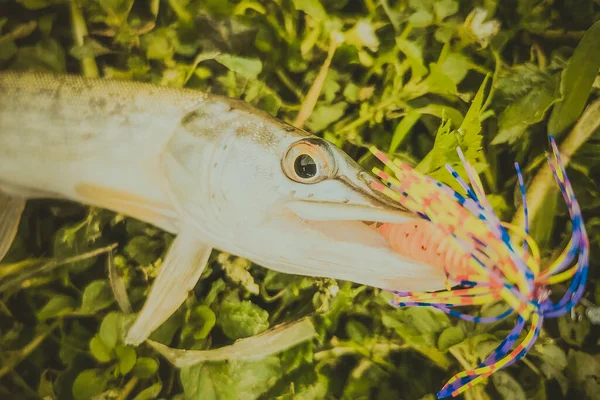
(310,101)
(88,64)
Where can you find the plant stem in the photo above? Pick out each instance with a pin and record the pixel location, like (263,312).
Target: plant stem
(310,101)
(51,265)
(288,83)
(128,388)
(560,34)
(88,64)
(18,379)
(461,360)
(154,6)
(12,362)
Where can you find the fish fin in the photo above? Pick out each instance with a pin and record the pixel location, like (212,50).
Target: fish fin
(257,347)
(11,208)
(129,204)
(181,269)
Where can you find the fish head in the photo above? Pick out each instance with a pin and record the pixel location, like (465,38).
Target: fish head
(294,202)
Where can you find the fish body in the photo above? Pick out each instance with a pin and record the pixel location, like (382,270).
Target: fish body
(66,136)
(216,172)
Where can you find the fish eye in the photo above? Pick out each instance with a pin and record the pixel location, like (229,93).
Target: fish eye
(308,161)
(305,167)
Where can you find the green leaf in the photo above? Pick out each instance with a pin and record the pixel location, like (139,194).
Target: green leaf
(46,54)
(8,48)
(403,129)
(97,296)
(414,55)
(73,344)
(88,384)
(36,4)
(467,136)
(100,350)
(232,380)
(145,367)
(165,332)
(314,8)
(325,115)
(159,44)
(208,318)
(455,66)
(356,331)
(421,19)
(439,82)
(90,48)
(150,392)
(143,249)
(180,8)
(554,359)
(443,113)
(445,8)
(508,387)
(113,328)
(45,387)
(109,329)
(74,240)
(57,306)
(365,377)
(526,111)
(127,358)
(45,23)
(576,82)
(471,125)
(449,337)
(516,82)
(121,7)
(243,319)
(573,332)
(245,66)
(584,372)
(418,325)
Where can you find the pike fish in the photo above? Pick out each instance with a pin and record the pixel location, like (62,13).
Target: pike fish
(214,171)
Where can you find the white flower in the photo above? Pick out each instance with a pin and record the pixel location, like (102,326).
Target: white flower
(480,30)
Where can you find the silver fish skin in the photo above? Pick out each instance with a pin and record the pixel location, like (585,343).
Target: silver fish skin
(215,171)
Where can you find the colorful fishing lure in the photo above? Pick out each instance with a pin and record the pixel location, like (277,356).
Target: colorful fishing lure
(500,268)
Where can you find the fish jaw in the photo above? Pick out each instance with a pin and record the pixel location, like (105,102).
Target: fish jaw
(345,250)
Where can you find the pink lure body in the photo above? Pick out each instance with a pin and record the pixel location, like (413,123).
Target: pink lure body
(424,241)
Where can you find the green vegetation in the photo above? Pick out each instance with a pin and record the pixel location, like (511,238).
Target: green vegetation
(399,74)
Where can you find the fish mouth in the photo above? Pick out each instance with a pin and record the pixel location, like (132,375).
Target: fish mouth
(353,200)
(350,223)
(352,247)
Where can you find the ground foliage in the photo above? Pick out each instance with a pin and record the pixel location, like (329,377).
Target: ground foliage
(402,75)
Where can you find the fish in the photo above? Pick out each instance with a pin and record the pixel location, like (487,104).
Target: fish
(214,171)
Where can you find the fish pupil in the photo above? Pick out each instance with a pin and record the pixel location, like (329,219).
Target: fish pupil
(305,167)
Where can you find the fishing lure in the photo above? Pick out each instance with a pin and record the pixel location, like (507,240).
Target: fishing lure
(492,266)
